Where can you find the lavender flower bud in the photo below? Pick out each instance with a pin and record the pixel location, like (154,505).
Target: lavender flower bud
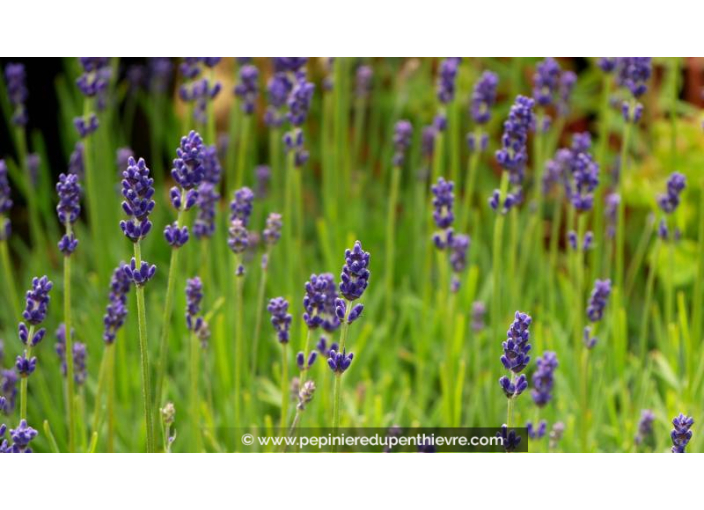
(403,134)
(516,354)
(15,78)
(645,426)
(280,318)
(598,300)
(69,208)
(278,88)
(8,388)
(669,201)
(299,100)
(355,275)
(176,237)
(681,434)
(21,437)
(24,365)
(138,190)
(567,82)
(513,154)
(5,202)
(319,303)
(484,97)
(139,276)
(543,379)
(272,232)
(478,313)
(447,76)
(116,310)
(241,205)
(339,361)
(37,301)
(306,395)
(546,81)
(248,88)
(539,432)
(510,439)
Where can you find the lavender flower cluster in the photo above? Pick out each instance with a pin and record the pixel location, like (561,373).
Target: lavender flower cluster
(5,203)
(516,355)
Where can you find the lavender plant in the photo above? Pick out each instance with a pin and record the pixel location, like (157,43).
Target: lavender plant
(138,190)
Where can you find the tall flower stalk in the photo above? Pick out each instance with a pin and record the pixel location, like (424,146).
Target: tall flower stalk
(36,305)
(247,91)
(271,235)
(188,172)
(515,359)
(402,141)
(483,98)
(69,207)
(632,74)
(281,320)
(354,280)
(138,190)
(5,230)
(238,241)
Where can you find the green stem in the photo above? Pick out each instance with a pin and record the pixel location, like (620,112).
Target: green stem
(338,375)
(195,394)
(391,237)
(111,399)
(473,164)
(242,155)
(9,276)
(168,310)
(238,344)
(260,313)
(69,351)
(284,385)
(497,256)
(620,231)
(144,356)
(24,382)
(649,285)
(699,282)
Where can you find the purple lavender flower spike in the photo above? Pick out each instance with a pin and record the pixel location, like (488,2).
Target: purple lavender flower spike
(543,379)
(598,300)
(443,215)
(289,64)
(93,83)
(194,296)
(589,340)
(546,81)
(483,97)
(510,439)
(69,208)
(188,171)
(21,437)
(339,361)
(681,434)
(403,133)
(319,303)
(607,64)
(428,141)
(516,355)
(25,366)
(278,88)
(355,273)
(198,90)
(80,354)
(513,155)
(116,311)
(567,82)
(241,205)
(478,314)
(138,190)
(272,232)
(632,73)
(299,100)
(5,203)
(447,76)
(262,174)
(208,196)
(75,161)
(175,236)
(670,200)
(363,81)
(280,318)
(139,276)
(37,301)
(537,432)
(15,78)
(34,163)
(645,426)
(8,388)
(160,73)
(248,88)
(610,211)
